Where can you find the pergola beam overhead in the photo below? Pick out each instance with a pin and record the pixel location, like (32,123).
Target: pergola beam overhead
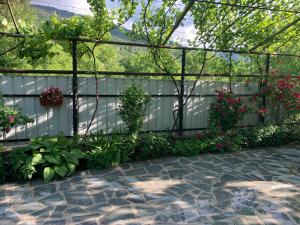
(249,7)
(179,20)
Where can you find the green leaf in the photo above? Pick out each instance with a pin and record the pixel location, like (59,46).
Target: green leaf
(52,159)
(37,159)
(35,146)
(61,170)
(49,173)
(76,153)
(65,154)
(73,159)
(44,150)
(71,167)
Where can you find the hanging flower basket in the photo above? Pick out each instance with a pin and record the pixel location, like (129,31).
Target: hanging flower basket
(51,96)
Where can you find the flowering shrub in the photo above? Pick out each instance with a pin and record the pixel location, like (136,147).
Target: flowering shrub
(282,97)
(10,117)
(51,96)
(226,111)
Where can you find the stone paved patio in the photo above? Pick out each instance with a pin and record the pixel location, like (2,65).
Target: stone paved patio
(249,187)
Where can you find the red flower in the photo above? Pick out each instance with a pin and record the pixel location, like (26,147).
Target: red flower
(51,96)
(219,146)
(296,95)
(280,97)
(281,84)
(220,95)
(262,111)
(243,109)
(231,101)
(11,119)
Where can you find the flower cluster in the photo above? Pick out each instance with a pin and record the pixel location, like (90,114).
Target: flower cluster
(10,117)
(51,96)
(282,96)
(226,111)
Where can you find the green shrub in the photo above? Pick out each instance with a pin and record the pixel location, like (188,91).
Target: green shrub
(271,135)
(188,147)
(208,142)
(2,170)
(20,164)
(134,103)
(153,146)
(48,157)
(104,151)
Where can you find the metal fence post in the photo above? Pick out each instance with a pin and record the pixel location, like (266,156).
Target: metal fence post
(181,95)
(263,85)
(74,87)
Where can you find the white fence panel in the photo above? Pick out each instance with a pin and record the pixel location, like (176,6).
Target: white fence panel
(51,121)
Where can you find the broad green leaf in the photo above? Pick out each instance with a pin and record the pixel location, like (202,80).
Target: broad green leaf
(49,173)
(65,154)
(37,159)
(73,160)
(35,146)
(71,167)
(52,159)
(44,150)
(61,170)
(77,152)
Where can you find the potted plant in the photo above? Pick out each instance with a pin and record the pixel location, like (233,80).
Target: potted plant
(51,96)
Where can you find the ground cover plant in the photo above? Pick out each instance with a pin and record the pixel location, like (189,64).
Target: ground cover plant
(103,151)
(47,157)
(55,157)
(2,170)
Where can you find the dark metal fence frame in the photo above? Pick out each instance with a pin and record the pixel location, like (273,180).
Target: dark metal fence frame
(75,72)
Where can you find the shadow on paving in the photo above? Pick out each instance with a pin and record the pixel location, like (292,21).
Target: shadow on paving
(259,186)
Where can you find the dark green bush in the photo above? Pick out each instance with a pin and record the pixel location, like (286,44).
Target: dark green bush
(188,147)
(208,142)
(270,135)
(134,102)
(2,170)
(104,151)
(153,146)
(47,157)
(20,164)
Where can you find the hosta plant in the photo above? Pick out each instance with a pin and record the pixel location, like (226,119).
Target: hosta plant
(49,157)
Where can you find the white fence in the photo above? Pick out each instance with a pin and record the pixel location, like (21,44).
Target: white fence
(51,121)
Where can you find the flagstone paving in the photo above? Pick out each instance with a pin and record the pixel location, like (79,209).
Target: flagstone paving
(260,186)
